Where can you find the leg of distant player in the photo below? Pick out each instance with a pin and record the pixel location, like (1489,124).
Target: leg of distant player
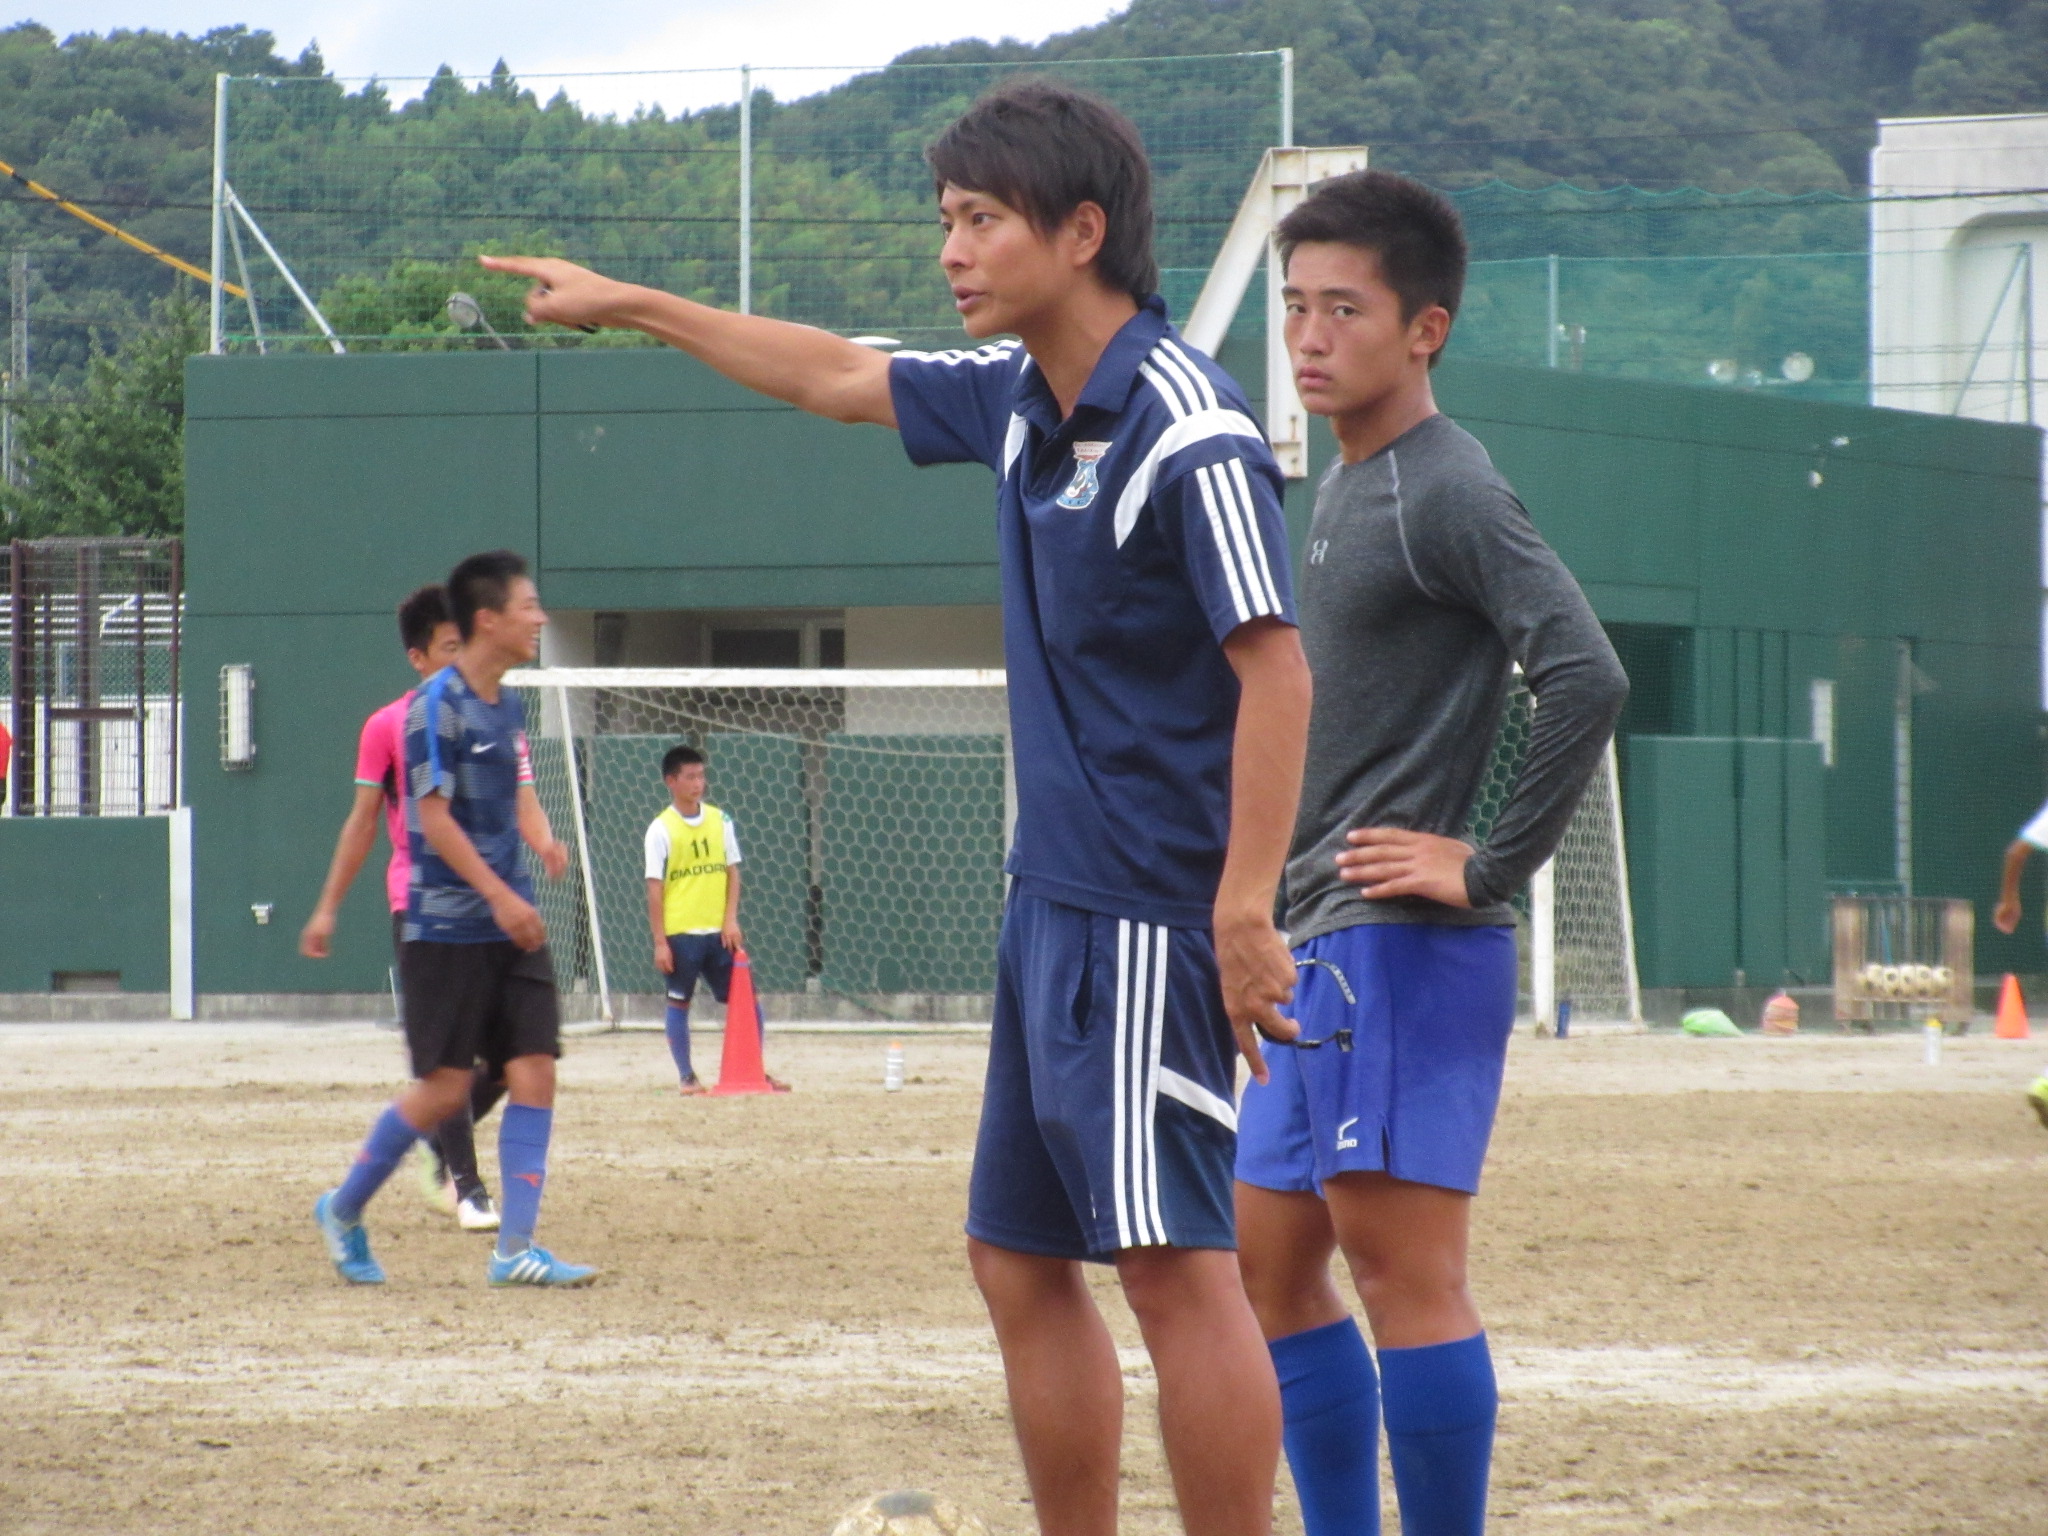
(682,989)
(1329,1391)
(1066,1386)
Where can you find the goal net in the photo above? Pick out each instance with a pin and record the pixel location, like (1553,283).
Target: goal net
(1578,937)
(872,810)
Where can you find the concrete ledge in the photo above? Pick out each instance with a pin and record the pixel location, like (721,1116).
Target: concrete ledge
(577,1008)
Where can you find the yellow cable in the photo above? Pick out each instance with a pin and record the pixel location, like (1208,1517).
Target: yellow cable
(119,234)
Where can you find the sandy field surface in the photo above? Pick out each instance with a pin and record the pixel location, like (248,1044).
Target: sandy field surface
(1735,1287)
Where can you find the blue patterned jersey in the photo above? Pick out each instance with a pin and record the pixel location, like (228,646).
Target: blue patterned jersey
(469,752)
(1136,534)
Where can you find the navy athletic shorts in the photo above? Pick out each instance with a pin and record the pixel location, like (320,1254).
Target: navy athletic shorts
(1413,1022)
(694,955)
(1107,1122)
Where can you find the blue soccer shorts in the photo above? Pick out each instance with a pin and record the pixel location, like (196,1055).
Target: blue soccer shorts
(1404,1037)
(698,954)
(1107,1121)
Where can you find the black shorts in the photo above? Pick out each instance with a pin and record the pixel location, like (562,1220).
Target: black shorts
(464,1001)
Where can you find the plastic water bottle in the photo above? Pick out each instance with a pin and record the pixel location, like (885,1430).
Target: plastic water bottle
(892,1068)
(1933,1036)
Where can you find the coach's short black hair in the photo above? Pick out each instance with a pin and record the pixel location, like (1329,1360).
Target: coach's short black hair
(1045,149)
(1414,230)
(676,759)
(482,581)
(421,614)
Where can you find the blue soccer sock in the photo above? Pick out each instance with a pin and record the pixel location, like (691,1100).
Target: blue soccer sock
(523,1133)
(389,1140)
(1330,1411)
(1440,1406)
(677,1025)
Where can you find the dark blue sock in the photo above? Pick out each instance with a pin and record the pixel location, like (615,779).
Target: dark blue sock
(523,1133)
(1440,1406)
(1330,1412)
(389,1140)
(677,1025)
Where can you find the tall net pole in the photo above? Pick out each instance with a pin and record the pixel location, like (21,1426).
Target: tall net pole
(746,189)
(215,293)
(604,991)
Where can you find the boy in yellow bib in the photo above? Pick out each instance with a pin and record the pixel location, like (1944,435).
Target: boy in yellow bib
(693,897)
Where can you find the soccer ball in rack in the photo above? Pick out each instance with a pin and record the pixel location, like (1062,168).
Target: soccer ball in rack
(908,1513)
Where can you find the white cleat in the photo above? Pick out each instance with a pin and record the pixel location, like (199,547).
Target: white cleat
(475,1213)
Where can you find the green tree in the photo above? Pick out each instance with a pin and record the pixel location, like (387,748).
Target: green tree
(108,458)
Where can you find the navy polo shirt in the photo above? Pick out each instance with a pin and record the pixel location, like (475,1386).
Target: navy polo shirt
(1135,535)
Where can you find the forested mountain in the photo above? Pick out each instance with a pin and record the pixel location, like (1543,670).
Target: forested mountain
(380,206)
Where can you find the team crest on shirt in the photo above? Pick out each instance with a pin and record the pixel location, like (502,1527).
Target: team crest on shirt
(1084,487)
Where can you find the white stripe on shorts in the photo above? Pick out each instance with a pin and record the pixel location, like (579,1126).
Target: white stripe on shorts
(1191,1093)
(1143,952)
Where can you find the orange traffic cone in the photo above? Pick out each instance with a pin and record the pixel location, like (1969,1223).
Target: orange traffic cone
(739,1069)
(2012,1011)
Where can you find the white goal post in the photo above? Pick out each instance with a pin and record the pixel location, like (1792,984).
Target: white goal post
(873,809)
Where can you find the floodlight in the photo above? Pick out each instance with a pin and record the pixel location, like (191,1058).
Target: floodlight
(238,716)
(1797,367)
(468,315)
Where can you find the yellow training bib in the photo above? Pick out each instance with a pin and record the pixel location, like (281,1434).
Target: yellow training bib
(693,888)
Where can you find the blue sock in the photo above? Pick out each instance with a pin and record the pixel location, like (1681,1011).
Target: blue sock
(389,1140)
(523,1133)
(1330,1412)
(677,1024)
(1440,1406)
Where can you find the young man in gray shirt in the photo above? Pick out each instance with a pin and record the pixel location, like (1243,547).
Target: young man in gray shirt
(1424,584)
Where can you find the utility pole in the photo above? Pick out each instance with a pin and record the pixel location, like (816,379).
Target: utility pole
(16,376)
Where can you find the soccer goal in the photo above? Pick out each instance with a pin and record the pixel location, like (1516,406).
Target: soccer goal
(873,809)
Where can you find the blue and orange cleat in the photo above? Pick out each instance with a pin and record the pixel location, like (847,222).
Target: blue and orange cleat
(536,1266)
(347,1244)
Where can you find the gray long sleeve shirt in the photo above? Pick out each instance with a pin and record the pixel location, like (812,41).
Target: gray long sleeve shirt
(1424,583)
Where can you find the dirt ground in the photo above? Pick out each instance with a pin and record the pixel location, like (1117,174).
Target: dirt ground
(1735,1287)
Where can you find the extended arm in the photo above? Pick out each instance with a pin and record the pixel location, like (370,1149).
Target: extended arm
(1265,789)
(512,912)
(351,848)
(2005,917)
(811,369)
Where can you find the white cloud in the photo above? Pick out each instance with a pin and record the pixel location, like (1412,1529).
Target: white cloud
(818,42)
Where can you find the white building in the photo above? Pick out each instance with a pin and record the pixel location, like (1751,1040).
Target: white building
(1958,237)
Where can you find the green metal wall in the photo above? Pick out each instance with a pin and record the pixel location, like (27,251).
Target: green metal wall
(321,489)
(85,894)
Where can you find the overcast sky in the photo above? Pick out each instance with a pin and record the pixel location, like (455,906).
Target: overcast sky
(399,38)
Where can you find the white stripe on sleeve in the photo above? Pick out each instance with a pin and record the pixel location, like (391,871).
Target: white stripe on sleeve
(1197,427)
(1224,555)
(1236,499)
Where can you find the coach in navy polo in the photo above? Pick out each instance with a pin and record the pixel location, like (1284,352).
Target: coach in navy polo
(1159,705)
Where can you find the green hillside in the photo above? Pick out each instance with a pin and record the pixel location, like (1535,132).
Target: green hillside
(380,207)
